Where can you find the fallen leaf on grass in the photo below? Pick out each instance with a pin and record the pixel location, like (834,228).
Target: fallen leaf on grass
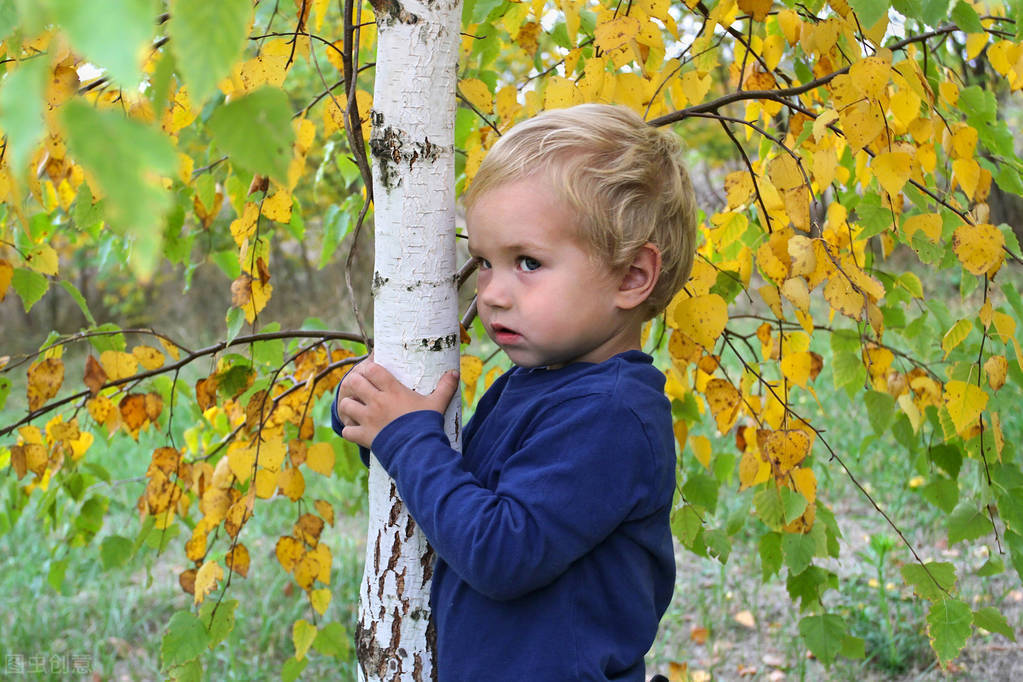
(698,634)
(745,619)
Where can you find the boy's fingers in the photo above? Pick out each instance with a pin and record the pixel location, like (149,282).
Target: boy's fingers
(447,386)
(379,376)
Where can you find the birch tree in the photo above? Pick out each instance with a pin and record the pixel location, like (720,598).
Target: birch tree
(416,307)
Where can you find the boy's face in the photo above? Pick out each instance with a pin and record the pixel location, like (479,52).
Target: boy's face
(542,296)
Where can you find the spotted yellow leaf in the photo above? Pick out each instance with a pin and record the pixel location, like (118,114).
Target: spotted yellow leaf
(206,579)
(478,94)
(964,402)
(928,223)
(892,170)
(979,247)
(118,365)
(701,318)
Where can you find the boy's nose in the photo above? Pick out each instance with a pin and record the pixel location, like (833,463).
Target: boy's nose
(492,292)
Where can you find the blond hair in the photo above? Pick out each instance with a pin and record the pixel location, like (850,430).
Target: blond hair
(625,180)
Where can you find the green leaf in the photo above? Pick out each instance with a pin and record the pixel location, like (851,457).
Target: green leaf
(880,410)
(701,490)
(235,321)
(292,668)
(21,111)
(219,623)
(770,554)
(79,299)
(686,525)
(112,339)
(30,286)
(184,639)
(993,566)
(853,647)
(948,457)
(942,493)
(8,18)
(847,370)
(207,39)
(965,17)
(949,624)
(124,155)
(924,585)
(5,390)
(799,550)
(55,576)
(333,640)
(186,672)
(112,34)
(992,620)
(255,131)
(115,550)
(777,506)
(302,635)
(967,523)
(824,635)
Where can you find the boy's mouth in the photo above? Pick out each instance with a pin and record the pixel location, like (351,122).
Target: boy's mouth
(504,335)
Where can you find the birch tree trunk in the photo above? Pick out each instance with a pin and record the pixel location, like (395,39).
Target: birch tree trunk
(415,307)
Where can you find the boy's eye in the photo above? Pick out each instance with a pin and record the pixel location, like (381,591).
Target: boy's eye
(484,264)
(529,264)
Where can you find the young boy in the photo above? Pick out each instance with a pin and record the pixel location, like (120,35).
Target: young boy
(551,528)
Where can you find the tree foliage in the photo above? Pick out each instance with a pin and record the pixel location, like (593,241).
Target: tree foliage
(863,141)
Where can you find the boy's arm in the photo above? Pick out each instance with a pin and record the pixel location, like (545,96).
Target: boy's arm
(581,472)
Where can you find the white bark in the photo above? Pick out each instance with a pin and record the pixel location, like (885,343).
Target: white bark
(415,307)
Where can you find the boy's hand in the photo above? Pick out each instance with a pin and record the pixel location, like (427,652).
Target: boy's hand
(370,398)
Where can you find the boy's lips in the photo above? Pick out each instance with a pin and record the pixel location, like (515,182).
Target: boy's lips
(504,335)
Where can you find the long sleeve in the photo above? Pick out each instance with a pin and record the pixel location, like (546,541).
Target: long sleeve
(583,468)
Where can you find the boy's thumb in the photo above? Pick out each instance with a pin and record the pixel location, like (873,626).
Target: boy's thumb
(447,386)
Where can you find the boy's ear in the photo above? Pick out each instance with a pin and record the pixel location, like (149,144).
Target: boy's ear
(640,277)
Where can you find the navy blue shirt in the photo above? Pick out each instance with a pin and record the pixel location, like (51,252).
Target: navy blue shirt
(551,528)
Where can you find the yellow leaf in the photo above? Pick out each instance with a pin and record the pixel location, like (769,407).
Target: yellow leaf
(148,357)
(271,453)
(861,123)
(238,560)
(975,43)
(1005,325)
(964,402)
(241,457)
(320,600)
(99,408)
(790,23)
(967,174)
(6,274)
(979,247)
(118,365)
(964,142)
(701,318)
(291,483)
(796,367)
(785,448)
(325,510)
(306,570)
(44,380)
(753,470)
(892,170)
(805,483)
(701,450)
(478,94)
(757,8)
(470,369)
(43,259)
(265,484)
(996,368)
(616,33)
(871,75)
(320,458)
(929,223)
(955,335)
(206,579)
(288,551)
(821,123)
(784,172)
(842,297)
(745,619)
(723,400)
(277,207)
(738,188)
(302,635)
(561,93)
(244,226)
(797,292)
(695,85)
